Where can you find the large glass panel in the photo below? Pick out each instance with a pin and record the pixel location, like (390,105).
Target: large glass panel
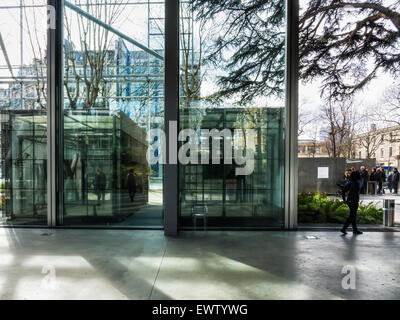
(113,96)
(23,93)
(348,110)
(232,80)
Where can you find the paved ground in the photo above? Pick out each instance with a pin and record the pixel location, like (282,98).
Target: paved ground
(131,264)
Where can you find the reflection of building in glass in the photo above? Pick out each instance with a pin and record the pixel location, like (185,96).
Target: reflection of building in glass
(113,144)
(228,196)
(23,164)
(131,82)
(25,92)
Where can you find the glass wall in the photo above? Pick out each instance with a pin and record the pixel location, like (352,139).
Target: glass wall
(113,96)
(348,110)
(231,113)
(23,93)
(232,86)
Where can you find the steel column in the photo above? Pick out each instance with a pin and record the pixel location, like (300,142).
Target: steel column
(54,109)
(291,131)
(171,173)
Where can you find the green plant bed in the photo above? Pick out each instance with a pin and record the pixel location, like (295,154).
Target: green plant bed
(317,207)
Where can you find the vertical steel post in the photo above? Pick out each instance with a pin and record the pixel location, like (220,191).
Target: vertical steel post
(291,131)
(171,174)
(54,109)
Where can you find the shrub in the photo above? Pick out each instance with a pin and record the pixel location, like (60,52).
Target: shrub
(319,208)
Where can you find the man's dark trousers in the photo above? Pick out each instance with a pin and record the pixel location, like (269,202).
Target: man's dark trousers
(352,217)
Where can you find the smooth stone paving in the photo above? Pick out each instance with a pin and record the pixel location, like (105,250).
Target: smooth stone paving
(133,264)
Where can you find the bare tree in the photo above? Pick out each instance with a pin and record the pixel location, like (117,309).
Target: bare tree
(339,131)
(194,41)
(311,151)
(89,52)
(368,139)
(39,64)
(305,119)
(387,111)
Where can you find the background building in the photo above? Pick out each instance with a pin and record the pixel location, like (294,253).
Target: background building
(310,148)
(381,144)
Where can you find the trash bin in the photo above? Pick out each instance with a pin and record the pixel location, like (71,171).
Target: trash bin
(388,212)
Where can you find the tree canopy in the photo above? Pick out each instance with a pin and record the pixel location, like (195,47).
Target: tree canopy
(343,43)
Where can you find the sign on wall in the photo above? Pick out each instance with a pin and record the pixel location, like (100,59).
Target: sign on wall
(323,172)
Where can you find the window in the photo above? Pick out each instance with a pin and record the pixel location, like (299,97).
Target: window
(255,198)
(107,178)
(23,115)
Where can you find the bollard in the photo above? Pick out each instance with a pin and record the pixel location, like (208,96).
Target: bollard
(388,212)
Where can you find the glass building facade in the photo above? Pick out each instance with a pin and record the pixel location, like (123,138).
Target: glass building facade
(91,84)
(254,200)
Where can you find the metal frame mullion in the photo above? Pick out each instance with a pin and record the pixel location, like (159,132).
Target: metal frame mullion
(171,170)
(54,110)
(291,106)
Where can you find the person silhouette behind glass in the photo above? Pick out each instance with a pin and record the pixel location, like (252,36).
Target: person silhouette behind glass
(100,182)
(131,183)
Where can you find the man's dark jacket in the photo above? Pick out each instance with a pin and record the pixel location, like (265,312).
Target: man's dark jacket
(382,176)
(353,189)
(364,175)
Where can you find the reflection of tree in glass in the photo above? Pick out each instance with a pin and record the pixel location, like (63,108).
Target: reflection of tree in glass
(88,64)
(191,59)
(193,37)
(38,46)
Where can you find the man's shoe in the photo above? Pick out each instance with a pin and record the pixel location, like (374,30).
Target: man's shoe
(343,231)
(357,232)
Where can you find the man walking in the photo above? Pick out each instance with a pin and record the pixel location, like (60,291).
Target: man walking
(131,183)
(353,198)
(100,183)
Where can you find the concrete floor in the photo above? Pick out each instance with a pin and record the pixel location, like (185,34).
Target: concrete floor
(124,264)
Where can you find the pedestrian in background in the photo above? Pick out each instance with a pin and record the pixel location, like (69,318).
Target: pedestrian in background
(100,183)
(131,184)
(395,181)
(390,181)
(347,174)
(381,178)
(364,177)
(372,176)
(373,179)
